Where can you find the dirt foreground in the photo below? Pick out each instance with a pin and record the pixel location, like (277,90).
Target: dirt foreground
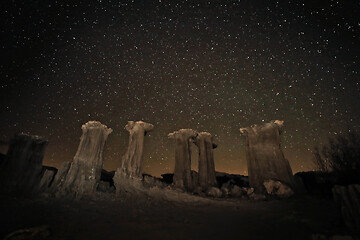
(141,217)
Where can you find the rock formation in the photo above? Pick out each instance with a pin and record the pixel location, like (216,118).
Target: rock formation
(182,171)
(20,171)
(205,143)
(60,177)
(348,197)
(82,176)
(265,158)
(131,162)
(128,177)
(278,189)
(46,180)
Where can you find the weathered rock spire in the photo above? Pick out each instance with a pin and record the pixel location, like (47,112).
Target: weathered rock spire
(131,162)
(82,176)
(205,143)
(265,158)
(182,171)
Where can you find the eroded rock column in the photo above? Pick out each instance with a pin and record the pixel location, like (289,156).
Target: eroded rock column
(127,177)
(83,174)
(131,162)
(205,143)
(20,172)
(265,158)
(182,171)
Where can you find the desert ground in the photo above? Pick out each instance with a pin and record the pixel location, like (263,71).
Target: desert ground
(183,217)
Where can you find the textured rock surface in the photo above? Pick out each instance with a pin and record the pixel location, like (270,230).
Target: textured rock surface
(60,177)
(205,143)
(265,158)
(46,180)
(84,173)
(348,197)
(127,185)
(131,163)
(277,188)
(20,171)
(182,171)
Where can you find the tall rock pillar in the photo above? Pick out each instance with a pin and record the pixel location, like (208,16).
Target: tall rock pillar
(129,173)
(182,171)
(265,158)
(205,142)
(131,162)
(83,174)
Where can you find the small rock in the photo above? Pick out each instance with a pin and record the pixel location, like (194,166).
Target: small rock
(236,191)
(214,192)
(225,191)
(249,191)
(277,188)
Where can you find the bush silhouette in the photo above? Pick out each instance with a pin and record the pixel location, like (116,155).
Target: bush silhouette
(341,156)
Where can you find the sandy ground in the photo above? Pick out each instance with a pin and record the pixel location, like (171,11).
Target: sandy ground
(144,217)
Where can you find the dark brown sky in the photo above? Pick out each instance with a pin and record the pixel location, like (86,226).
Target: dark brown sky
(213,66)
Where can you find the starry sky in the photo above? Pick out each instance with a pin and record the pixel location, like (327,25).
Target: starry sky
(207,65)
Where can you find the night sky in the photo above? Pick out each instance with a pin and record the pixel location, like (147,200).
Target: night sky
(207,65)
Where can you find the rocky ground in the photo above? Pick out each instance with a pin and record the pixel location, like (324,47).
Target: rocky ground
(176,216)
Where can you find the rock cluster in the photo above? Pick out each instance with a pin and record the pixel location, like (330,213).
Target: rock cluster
(269,172)
(184,178)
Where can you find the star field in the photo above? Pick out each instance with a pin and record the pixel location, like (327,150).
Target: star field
(207,65)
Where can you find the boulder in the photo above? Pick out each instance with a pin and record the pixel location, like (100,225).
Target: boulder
(214,192)
(278,189)
(236,191)
(225,191)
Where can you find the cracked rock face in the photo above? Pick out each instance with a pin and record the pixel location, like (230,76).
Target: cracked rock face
(82,176)
(131,162)
(265,158)
(205,143)
(182,171)
(20,171)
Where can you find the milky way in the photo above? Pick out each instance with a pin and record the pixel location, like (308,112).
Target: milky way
(212,66)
